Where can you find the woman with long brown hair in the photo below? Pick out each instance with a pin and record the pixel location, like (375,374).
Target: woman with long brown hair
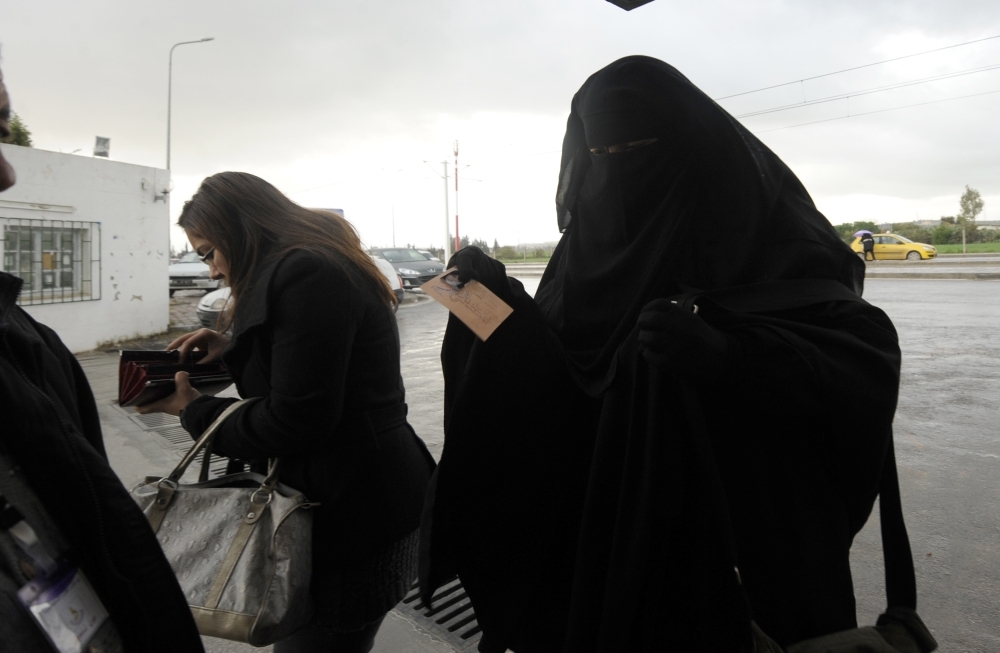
(314,337)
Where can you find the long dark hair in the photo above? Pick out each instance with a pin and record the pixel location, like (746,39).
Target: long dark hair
(251,222)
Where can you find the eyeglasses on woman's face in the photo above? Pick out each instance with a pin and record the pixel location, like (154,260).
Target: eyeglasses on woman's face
(208,256)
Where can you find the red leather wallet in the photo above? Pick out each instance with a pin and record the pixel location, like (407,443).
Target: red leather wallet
(145,376)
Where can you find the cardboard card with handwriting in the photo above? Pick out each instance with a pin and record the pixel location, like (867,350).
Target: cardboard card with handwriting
(474,304)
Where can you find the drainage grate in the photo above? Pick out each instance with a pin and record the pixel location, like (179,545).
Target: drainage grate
(177,436)
(168,428)
(152,420)
(452,618)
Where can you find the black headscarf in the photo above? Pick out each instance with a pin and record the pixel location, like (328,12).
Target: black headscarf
(706,206)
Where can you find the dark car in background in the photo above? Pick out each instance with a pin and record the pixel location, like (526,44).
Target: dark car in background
(413,268)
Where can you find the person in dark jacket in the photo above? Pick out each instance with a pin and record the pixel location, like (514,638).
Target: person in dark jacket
(314,336)
(684,453)
(868,244)
(60,499)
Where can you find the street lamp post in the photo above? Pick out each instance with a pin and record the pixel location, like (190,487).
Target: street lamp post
(170,81)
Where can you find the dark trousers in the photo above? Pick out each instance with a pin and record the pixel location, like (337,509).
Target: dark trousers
(870,251)
(317,639)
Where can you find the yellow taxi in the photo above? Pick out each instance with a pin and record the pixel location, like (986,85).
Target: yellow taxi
(894,246)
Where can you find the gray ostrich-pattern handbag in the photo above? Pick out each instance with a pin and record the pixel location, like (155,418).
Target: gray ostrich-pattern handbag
(240,545)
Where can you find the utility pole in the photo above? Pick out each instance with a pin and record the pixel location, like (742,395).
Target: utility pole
(448,251)
(458,240)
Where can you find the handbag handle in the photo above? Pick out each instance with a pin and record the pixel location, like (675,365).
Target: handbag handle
(205,440)
(167,486)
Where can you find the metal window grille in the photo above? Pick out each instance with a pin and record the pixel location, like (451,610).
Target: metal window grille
(59,260)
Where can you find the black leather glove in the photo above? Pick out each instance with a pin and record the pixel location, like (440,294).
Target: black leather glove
(681,343)
(473,263)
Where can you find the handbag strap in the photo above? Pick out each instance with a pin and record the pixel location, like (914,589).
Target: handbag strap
(167,486)
(205,440)
(900,577)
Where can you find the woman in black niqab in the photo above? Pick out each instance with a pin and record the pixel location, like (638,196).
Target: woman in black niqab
(610,456)
(705,206)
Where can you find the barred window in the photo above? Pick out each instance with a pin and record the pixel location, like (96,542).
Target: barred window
(59,260)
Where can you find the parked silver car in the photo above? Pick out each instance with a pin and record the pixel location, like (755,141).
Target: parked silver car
(189,273)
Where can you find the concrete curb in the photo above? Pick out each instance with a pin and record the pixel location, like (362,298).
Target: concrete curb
(873,270)
(869,274)
(974,276)
(938,262)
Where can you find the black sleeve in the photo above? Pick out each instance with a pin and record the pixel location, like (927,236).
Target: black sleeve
(313,314)
(799,384)
(848,349)
(200,413)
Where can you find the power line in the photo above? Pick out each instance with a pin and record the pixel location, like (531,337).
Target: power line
(446,176)
(867,65)
(878,89)
(868,113)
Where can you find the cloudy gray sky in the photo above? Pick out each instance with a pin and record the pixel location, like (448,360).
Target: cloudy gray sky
(340,102)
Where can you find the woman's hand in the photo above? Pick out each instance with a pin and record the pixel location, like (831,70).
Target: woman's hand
(681,343)
(205,340)
(175,403)
(474,264)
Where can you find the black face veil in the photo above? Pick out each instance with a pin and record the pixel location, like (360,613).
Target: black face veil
(706,206)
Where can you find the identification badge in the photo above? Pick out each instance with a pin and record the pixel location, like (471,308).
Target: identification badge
(66,607)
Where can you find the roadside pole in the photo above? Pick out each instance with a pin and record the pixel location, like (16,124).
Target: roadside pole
(448,251)
(458,241)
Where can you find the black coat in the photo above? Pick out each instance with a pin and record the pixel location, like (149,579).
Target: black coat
(50,428)
(321,349)
(583,523)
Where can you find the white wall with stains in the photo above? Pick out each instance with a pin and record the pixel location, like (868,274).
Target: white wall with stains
(134,242)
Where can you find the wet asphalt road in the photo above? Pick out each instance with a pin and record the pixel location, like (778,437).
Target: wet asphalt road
(421,329)
(947,433)
(947,446)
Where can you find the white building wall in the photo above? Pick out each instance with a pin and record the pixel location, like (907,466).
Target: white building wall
(134,240)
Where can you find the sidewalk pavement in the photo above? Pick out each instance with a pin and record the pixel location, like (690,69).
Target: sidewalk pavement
(141,445)
(183,310)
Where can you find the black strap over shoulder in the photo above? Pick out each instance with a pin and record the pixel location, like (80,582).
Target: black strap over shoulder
(900,580)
